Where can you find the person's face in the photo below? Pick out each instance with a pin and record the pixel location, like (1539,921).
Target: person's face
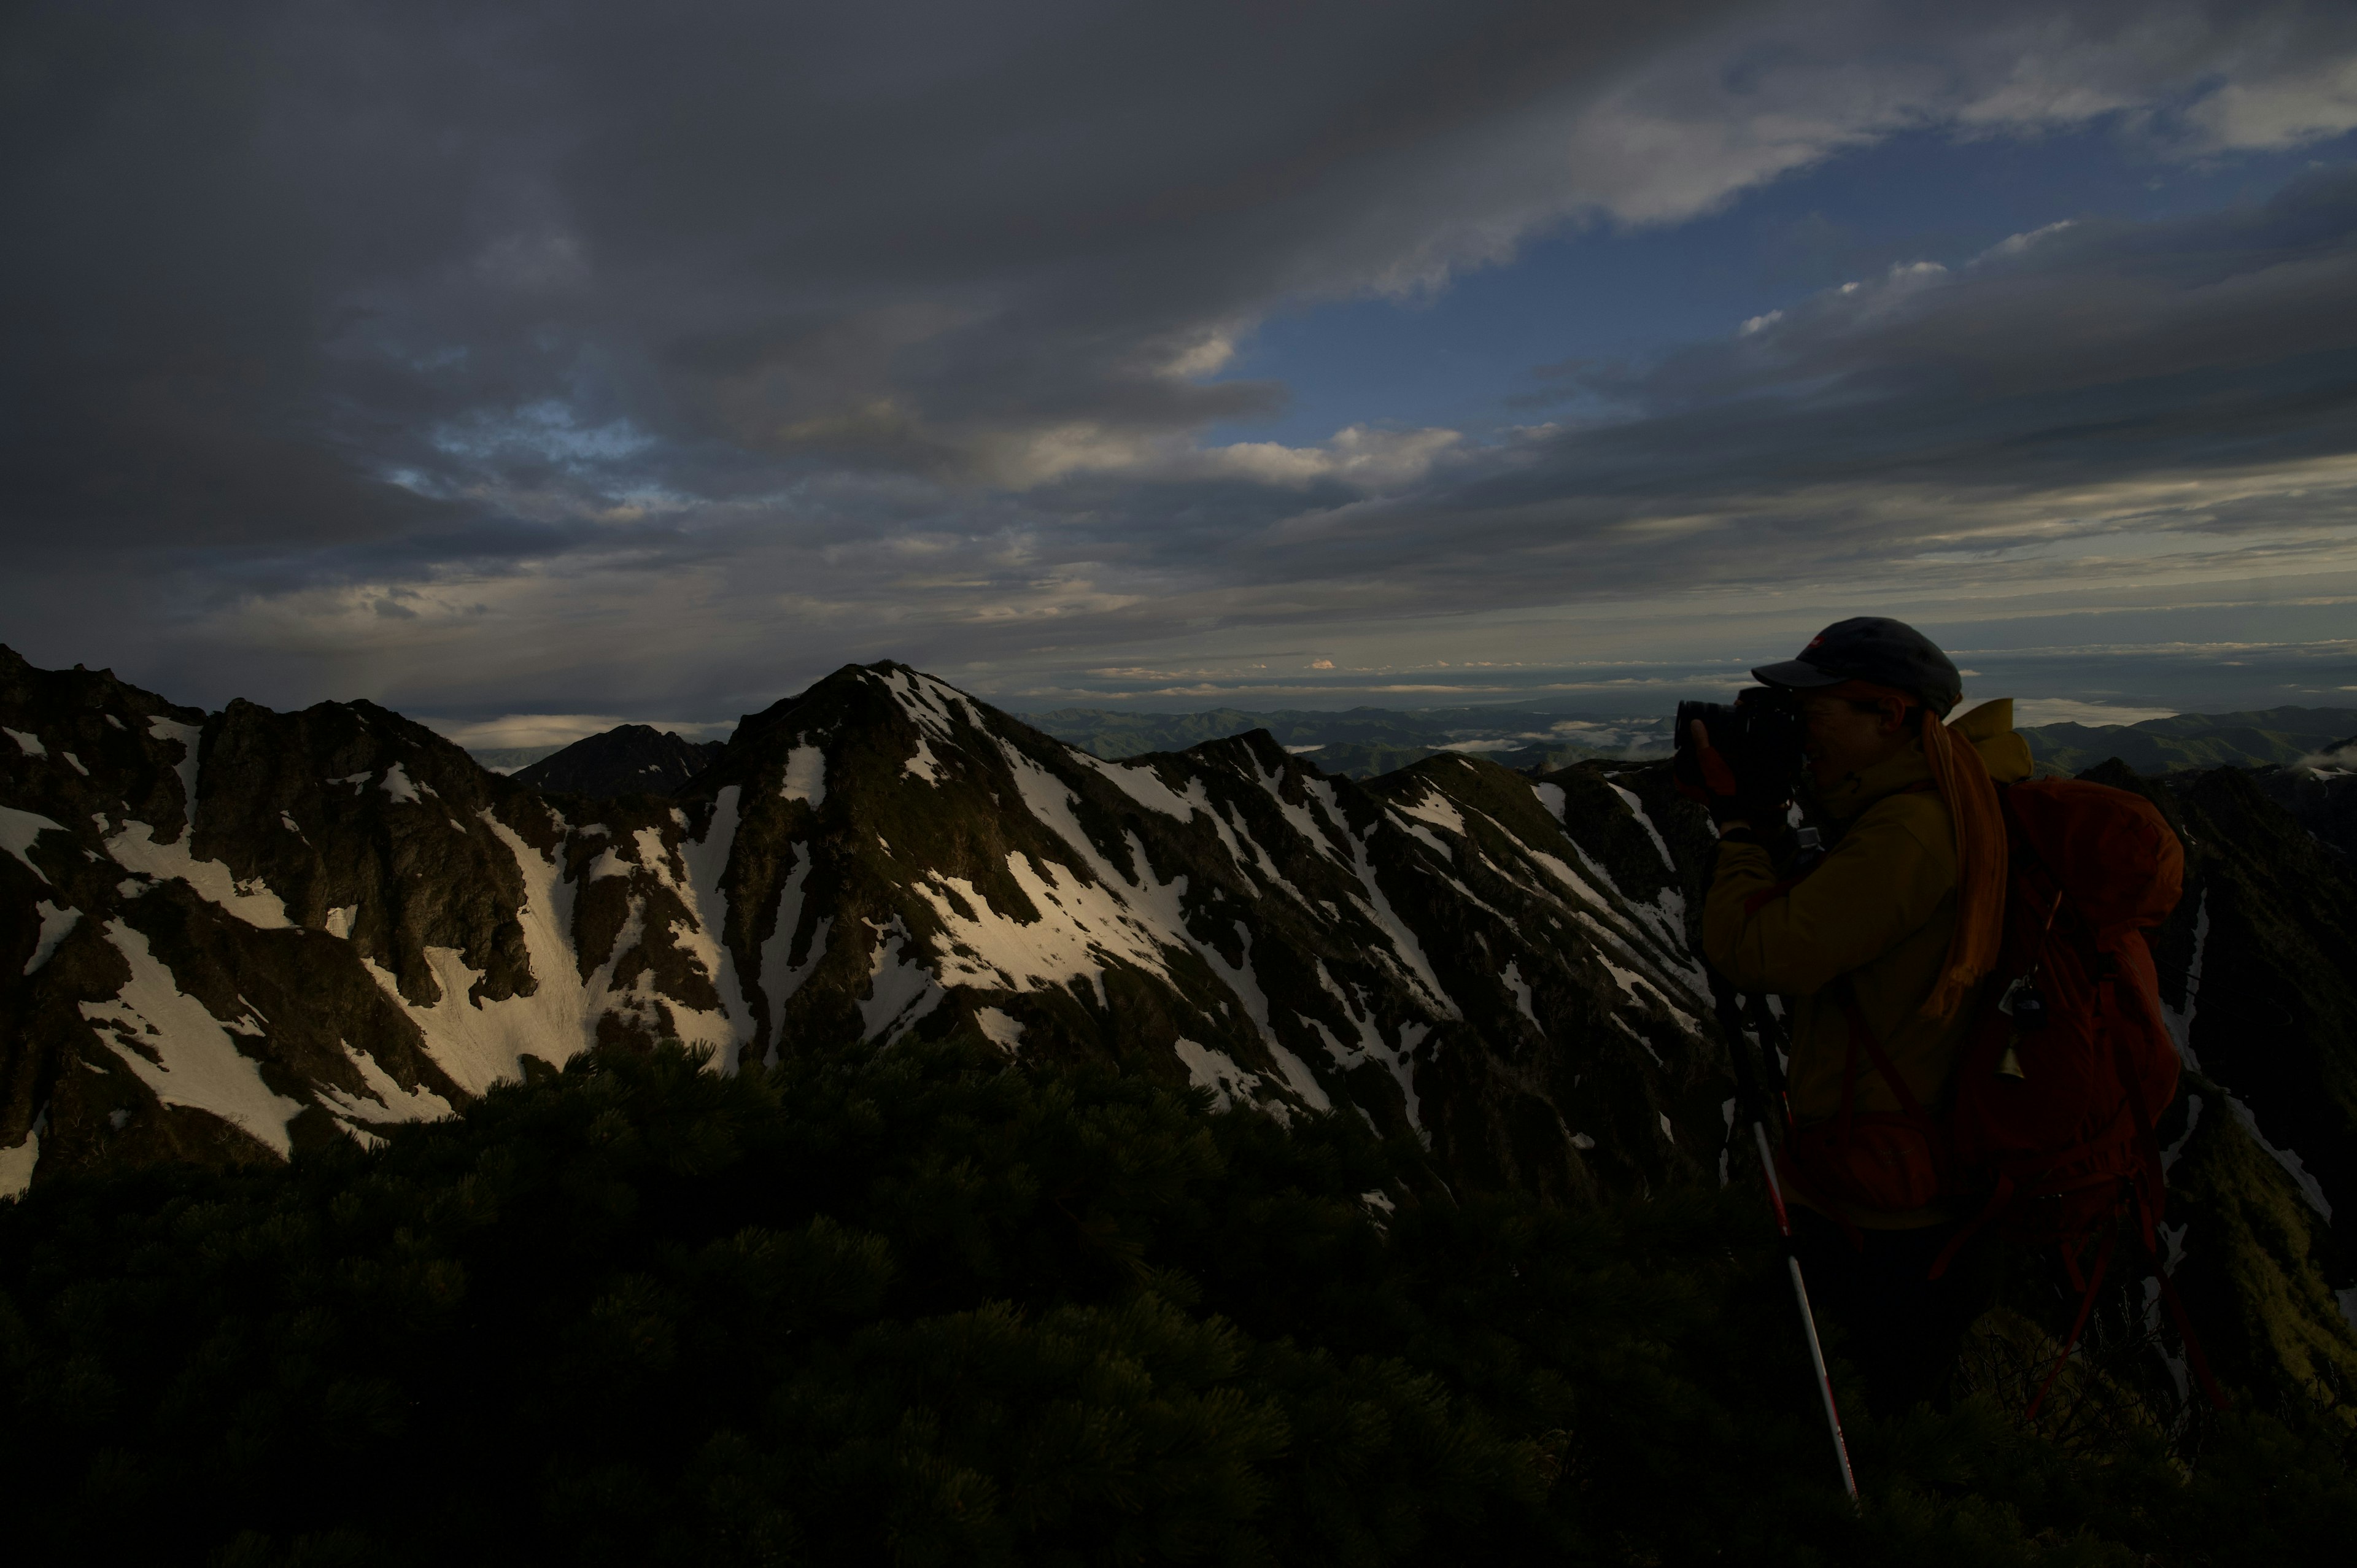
(1845,738)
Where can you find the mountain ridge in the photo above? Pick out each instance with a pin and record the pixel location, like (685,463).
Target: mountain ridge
(242,936)
(873,856)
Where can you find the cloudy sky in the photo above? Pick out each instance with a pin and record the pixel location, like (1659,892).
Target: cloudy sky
(531,367)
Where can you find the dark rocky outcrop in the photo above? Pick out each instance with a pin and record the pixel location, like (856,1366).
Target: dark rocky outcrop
(2320,797)
(2258,971)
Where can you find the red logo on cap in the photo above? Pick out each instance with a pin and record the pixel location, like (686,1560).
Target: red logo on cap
(1817,641)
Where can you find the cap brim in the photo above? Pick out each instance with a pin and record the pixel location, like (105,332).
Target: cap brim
(1792,672)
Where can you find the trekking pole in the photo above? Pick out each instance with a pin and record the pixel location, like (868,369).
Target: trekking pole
(1754,1103)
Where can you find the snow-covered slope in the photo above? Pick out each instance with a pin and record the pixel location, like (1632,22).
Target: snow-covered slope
(223,936)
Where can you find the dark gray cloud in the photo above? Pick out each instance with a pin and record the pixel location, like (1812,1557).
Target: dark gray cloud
(281,253)
(601,357)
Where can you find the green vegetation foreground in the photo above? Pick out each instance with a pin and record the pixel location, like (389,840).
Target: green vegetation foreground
(928,1307)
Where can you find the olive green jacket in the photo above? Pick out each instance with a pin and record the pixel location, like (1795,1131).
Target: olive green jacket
(1878,911)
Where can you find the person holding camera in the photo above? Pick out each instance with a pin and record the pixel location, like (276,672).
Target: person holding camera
(1879,948)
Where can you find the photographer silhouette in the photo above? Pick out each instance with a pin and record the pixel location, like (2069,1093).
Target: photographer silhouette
(1881,950)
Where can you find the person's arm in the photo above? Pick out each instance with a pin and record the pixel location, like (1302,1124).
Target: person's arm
(1881,883)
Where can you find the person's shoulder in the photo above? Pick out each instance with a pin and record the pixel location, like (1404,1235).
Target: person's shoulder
(1987,727)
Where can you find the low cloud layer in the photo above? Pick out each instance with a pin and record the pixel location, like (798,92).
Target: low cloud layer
(496,362)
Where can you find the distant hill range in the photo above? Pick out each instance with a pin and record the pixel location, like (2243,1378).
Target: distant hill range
(1366,743)
(1363,743)
(2280,736)
(2285,747)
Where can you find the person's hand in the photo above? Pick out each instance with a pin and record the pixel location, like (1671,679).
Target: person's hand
(1717,776)
(1702,774)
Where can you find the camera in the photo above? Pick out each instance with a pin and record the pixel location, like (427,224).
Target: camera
(1761,735)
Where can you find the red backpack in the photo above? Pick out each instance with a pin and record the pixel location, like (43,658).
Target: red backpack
(2066,1070)
(2069,1064)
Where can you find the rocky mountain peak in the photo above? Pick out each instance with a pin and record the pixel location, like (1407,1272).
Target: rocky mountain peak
(628,759)
(364,926)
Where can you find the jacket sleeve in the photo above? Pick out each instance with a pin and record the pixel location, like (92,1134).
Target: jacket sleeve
(1883,881)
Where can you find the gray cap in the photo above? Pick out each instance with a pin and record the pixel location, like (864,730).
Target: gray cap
(1872,648)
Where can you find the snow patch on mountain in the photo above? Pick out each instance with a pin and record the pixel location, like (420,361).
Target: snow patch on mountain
(1083,925)
(1316,818)
(480,1042)
(1521,989)
(705,860)
(1631,1030)
(55,925)
(134,849)
(925,701)
(175,1046)
(900,988)
(16,1161)
(404,791)
(1639,986)
(999,1029)
(1398,1060)
(1214,1070)
(779,977)
(1299,1078)
(18,832)
(805,776)
(186,735)
(1576,885)
(1405,943)
(1429,805)
(1240,979)
(1636,810)
(385,1099)
(1141,783)
(922,764)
